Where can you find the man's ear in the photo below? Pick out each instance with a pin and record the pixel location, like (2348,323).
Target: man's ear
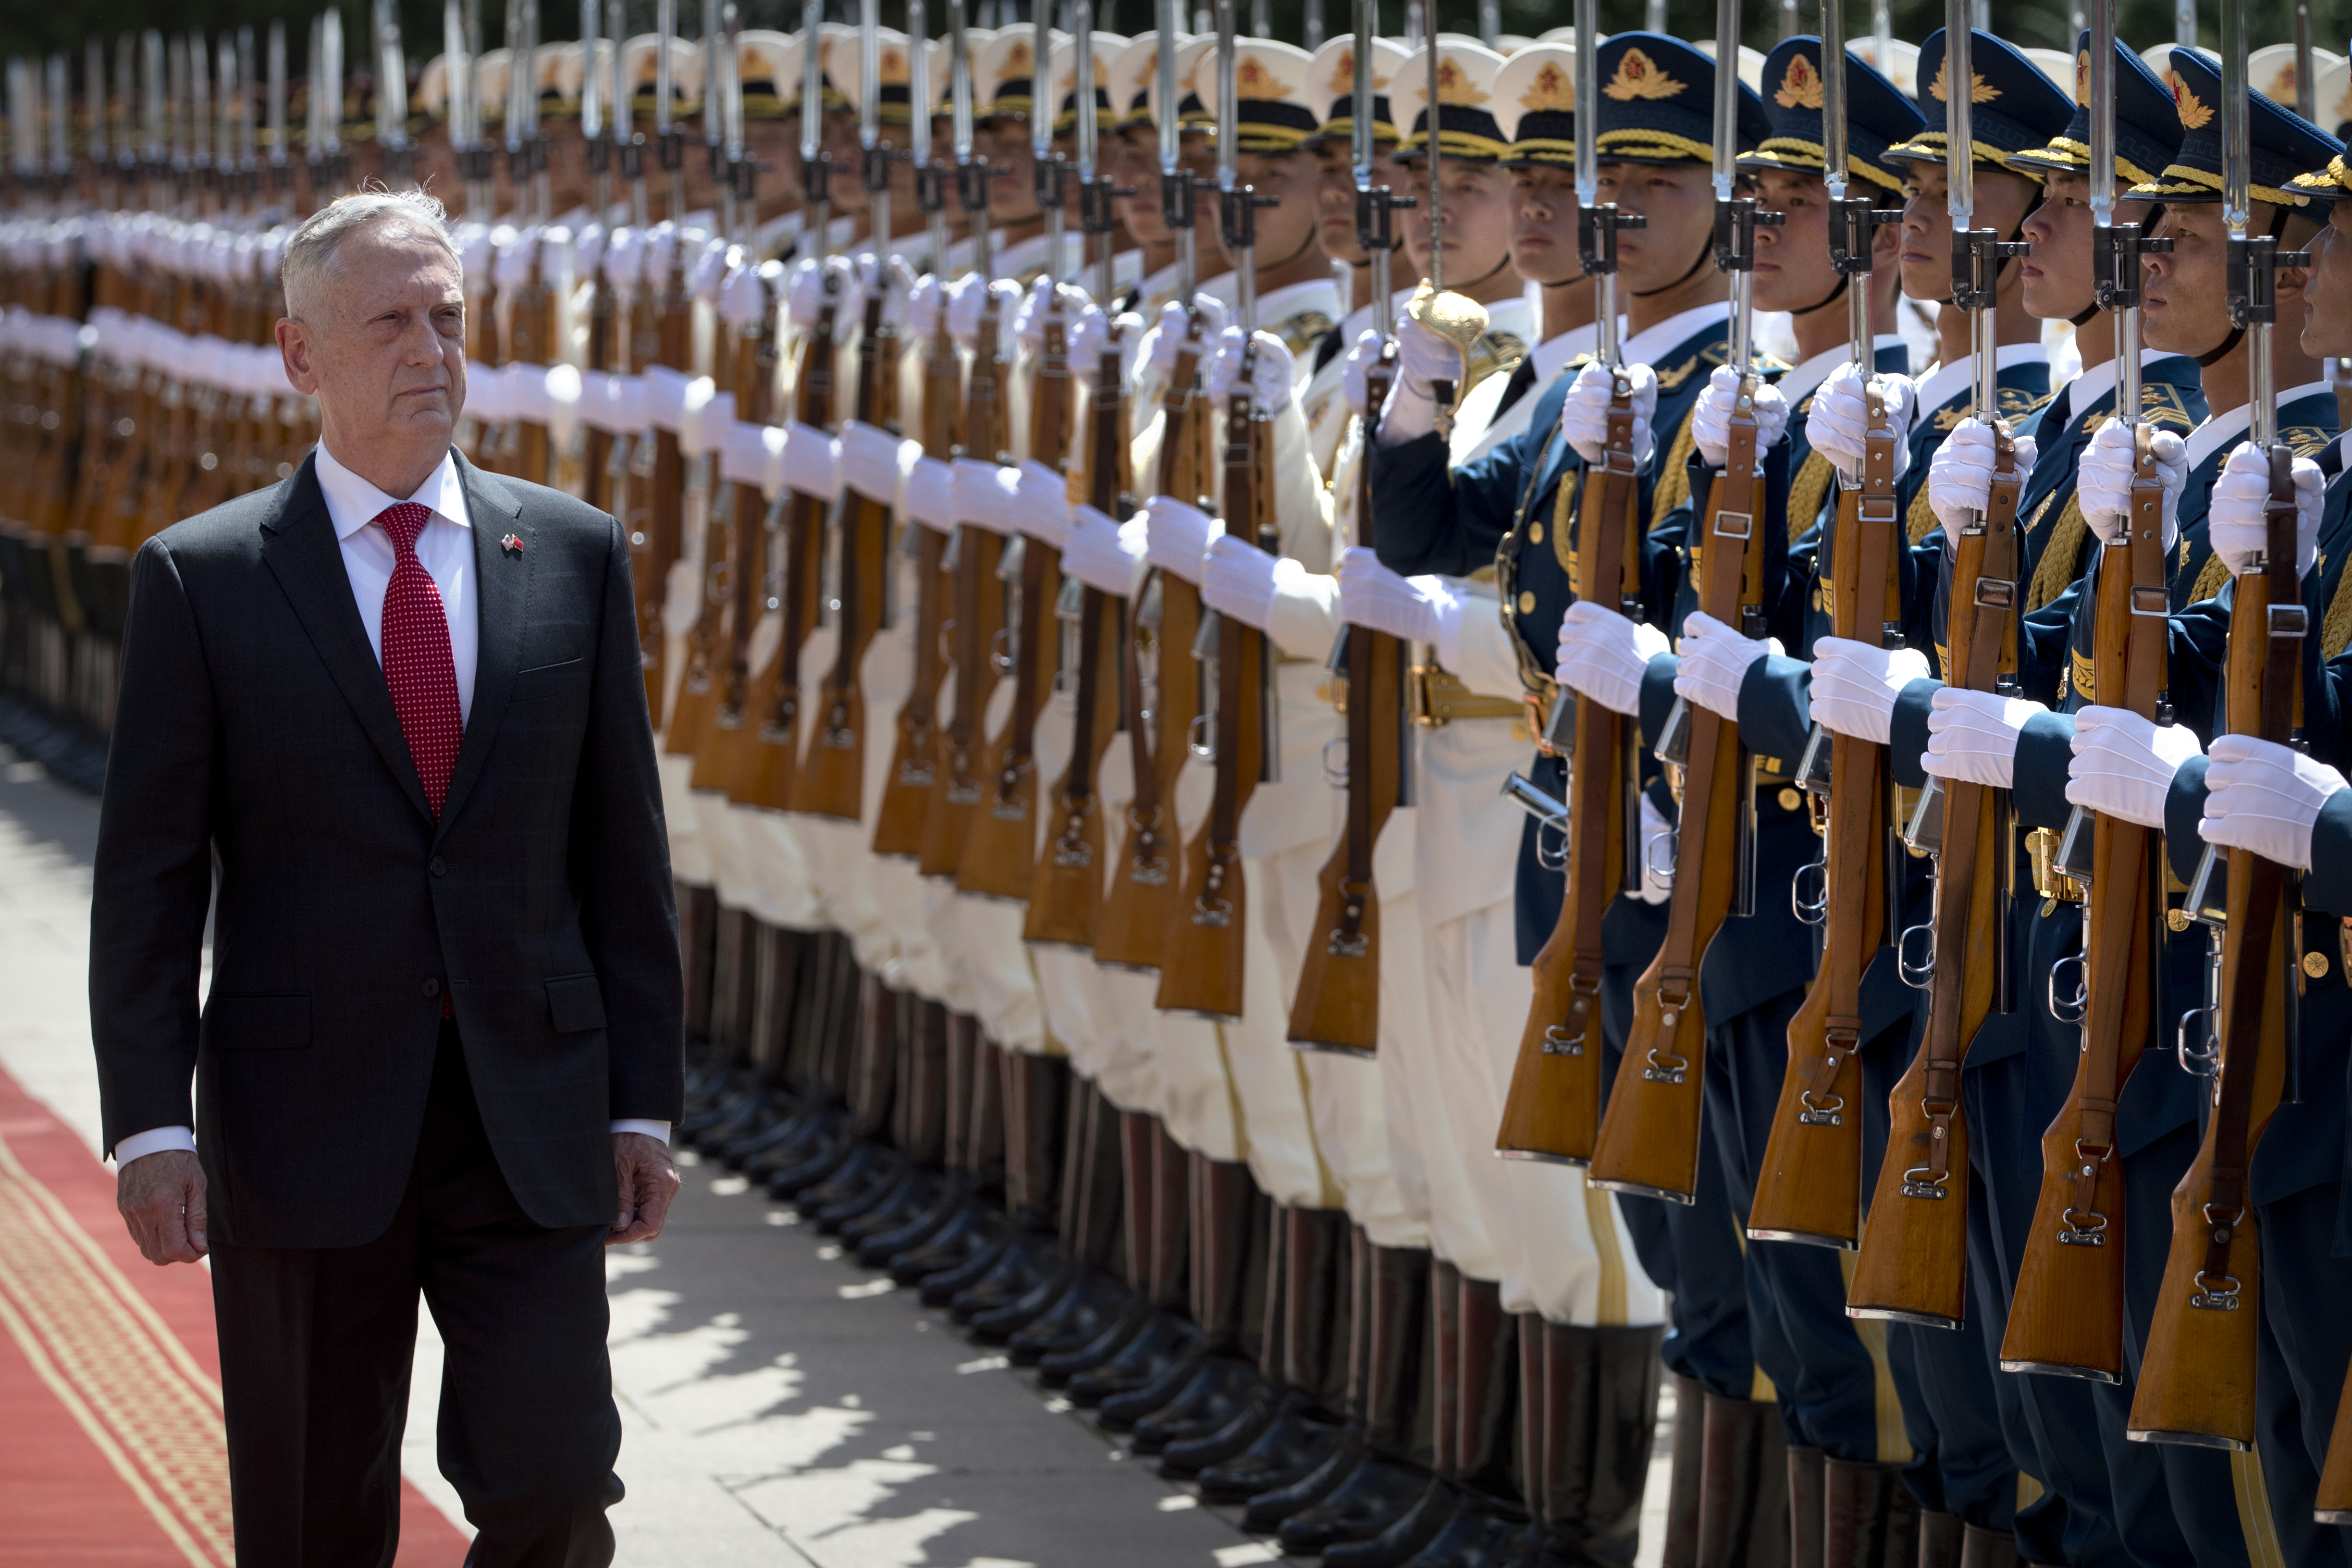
(294,346)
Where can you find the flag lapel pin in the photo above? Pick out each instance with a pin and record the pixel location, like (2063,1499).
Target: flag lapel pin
(511,545)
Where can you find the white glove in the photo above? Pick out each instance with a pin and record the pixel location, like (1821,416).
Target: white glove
(1240,579)
(1169,341)
(1356,371)
(1713,661)
(1094,334)
(896,298)
(1841,418)
(1972,736)
(812,462)
(2235,523)
(2123,764)
(1603,655)
(1101,553)
(1041,504)
(965,299)
(924,303)
(1959,476)
(1273,379)
(743,299)
(1711,420)
(869,461)
(806,300)
(1416,609)
(1029,320)
(1855,686)
(1657,873)
(2264,797)
(1422,358)
(930,493)
(1177,535)
(1584,416)
(983,493)
(2103,481)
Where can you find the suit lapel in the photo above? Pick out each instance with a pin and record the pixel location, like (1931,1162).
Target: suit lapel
(501,596)
(301,551)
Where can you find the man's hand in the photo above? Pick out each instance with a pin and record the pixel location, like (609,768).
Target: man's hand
(648,1180)
(162,1197)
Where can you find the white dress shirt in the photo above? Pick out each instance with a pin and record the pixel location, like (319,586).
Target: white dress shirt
(445,549)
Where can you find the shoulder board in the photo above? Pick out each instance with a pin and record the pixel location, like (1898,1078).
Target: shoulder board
(1771,368)
(1672,377)
(1298,333)
(2161,403)
(2017,402)
(1948,419)
(2308,439)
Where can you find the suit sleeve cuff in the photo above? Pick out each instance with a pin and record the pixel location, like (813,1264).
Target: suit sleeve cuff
(2045,748)
(659,1130)
(2184,807)
(1907,732)
(153,1142)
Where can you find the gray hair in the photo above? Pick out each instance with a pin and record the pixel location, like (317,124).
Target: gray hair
(311,247)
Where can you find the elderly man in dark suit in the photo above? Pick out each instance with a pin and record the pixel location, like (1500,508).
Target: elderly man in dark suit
(386,722)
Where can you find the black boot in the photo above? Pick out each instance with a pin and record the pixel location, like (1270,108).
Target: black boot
(1689,1464)
(1292,1445)
(1743,1486)
(1807,1508)
(1209,1384)
(1270,1400)
(1402,1541)
(1489,1529)
(1984,1548)
(1870,1518)
(1219,1387)
(1098,1303)
(1483,1533)
(1939,1540)
(1603,1383)
(1382,1486)
(1138,1323)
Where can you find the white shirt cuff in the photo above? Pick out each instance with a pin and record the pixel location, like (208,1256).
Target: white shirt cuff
(153,1142)
(650,1129)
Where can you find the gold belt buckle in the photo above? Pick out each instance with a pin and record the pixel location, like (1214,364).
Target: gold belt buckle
(2054,886)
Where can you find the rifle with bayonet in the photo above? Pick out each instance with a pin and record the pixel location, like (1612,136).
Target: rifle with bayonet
(913,773)
(1202,970)
(603,479)
(2066,1314)
(1336,1006)
(1139,907)
(775,781)
(978,615)
(1553,1109)
(2196,1383)
(1808,1187)
(833,772)
(1650,1131)
(672,299)
(1067,883)
(1914,1261)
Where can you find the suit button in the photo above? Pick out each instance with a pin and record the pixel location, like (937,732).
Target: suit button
(438,868)
(1526,601)
(433,988)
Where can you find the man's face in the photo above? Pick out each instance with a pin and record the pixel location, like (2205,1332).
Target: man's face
(2185,306)
(846,175)
(381,341)
(1679,200)
(1475,206)
(1291,182)
(2327,294)
(2057,272)
(1131,159)
(1543,226)
(1004,143)
(1793,270)
(776,145)
(2002,200)
(1335,196)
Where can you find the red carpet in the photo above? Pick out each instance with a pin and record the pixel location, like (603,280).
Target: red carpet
(110,1444)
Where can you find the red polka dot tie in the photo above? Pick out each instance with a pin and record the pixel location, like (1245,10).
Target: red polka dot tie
(417,663)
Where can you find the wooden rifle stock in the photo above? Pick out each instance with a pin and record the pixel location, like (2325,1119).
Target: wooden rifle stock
(915,753)
(1553,1109)
(1000,847)
(1201,967)
(773,780)
(1066,890)
(2066,1315)
(2197,1376)
(730,739)
(1139,909)
(978,615)
(1650,1132)
(532,330)
(648,577)
(1913,1266)
(667,521)
(607,351)
(833,772)
(1809,1187)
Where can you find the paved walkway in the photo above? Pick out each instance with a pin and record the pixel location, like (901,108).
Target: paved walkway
(780,1407)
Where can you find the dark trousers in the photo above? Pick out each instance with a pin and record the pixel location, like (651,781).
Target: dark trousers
(316,1349)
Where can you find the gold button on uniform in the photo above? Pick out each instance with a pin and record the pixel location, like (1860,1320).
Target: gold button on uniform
(1526,601)
(1790,800)
(1535,530)
(2175,919)
(2315,964)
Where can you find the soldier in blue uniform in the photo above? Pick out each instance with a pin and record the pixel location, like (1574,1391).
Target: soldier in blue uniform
(1654,127)
(2016,742)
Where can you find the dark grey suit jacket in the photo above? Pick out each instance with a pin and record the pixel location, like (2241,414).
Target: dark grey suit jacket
(256,750)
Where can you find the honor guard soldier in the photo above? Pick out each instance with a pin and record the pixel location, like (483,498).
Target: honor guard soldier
(1133,149)
(1004,81)
(1331,81)
(1652,124)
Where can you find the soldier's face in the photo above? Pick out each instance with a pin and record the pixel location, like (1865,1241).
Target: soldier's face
(1289,181)
(776,144)
(1679,200)
(2185,303)
(2002,200)
(2057,272)
(2327,293)
(1335,193)
(1004,143)
(1131,158)
(1794,271)
(1543,224)
(845,178)
(1477,209)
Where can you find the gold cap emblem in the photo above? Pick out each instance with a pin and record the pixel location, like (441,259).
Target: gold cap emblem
(1638,77)
(1552,88)
(1454,85)
(1977,91)
(2195,112)
(1801,87)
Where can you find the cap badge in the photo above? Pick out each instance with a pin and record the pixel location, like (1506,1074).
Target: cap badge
(1801,87)
(1552,88)
(2195,112)
(1454,87)
(1977,91)
(1638,77)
